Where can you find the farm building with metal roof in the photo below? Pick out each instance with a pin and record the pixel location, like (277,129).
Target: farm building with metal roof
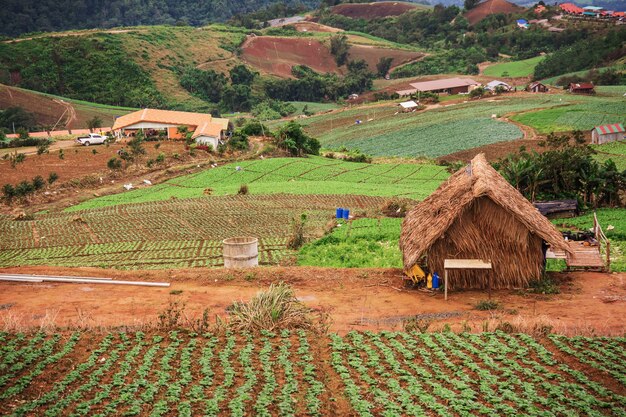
(607,133)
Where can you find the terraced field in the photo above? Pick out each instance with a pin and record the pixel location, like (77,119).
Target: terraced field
(383,131)
(298,373)
(168,234)
(313,175)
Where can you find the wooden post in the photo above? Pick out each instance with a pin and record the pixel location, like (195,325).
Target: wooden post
(445,284)
(349,227)
(489,286)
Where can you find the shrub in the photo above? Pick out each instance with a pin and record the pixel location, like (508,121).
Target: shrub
(239,141)
(8,193)
(477,92)
(486,305)
(16,158)
(296,240)
(52,177)
(24,189)
(114,163)
(62,154)
(276,308)
(255,128)
(545,285)
(38,182)
(43,147)
(243,189)
(160,158)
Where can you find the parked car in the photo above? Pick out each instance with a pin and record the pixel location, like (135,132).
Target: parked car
(91,139)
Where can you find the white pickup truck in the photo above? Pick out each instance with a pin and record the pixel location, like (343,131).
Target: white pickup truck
(91,139)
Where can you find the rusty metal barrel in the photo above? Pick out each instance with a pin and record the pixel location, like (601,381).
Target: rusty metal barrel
(241,252)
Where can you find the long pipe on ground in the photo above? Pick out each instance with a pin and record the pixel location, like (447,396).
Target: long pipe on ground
(84,281)
(50,276)
(20,280)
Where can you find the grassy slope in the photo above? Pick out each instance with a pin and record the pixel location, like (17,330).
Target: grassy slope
(160,49)
(552,80)
(314,175)
(522,68)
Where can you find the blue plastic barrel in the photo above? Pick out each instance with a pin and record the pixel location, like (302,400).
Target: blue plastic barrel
(339,214)
(435,280)
(346,214)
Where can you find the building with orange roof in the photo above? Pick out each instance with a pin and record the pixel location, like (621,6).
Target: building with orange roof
(206,129)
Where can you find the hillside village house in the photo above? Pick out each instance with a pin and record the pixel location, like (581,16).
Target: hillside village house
(445,86)
(581,88)
(537,87)
(206,129)
(491,86)
(608,133)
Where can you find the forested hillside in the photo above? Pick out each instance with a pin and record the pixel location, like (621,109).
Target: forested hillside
(25,16)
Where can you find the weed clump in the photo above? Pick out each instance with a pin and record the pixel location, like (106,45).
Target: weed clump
(275,308)
(486,305)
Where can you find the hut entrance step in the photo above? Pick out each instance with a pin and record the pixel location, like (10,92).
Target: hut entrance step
(584,257)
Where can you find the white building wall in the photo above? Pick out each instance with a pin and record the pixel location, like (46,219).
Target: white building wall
(208,140)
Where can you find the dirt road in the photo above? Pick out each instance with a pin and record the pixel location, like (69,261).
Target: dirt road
(355,298)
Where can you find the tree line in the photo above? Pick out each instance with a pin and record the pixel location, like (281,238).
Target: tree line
(26,16)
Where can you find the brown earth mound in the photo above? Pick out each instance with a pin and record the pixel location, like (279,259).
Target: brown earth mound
(490,7)
(372,10)
(46,110)
(276,56)
(51,111)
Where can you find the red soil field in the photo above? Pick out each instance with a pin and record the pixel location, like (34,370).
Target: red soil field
(490,7)
(276,55)
(372,10)
(357,299)
(46,110)
(78,161)
(49,111)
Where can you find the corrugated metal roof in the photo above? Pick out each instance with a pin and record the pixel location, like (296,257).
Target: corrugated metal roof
(408,104)
(608,129)
(444,84)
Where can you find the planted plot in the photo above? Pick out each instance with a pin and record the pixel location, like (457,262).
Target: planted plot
(172,234)
(447,374)
(312,175)
(291,373)
(170,374)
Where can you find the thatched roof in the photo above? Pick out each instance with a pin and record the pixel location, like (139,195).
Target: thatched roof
(431,218)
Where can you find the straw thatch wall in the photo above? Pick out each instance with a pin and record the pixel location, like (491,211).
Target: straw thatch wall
(477,214)
(486,231)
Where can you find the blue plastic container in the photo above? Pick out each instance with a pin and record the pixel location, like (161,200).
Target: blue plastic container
(435,280)
(339,214)
(346,214)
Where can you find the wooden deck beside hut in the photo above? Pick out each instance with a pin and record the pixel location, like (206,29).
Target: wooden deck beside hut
(477,214)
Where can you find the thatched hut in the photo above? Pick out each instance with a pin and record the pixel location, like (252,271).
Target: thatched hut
(477,214)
